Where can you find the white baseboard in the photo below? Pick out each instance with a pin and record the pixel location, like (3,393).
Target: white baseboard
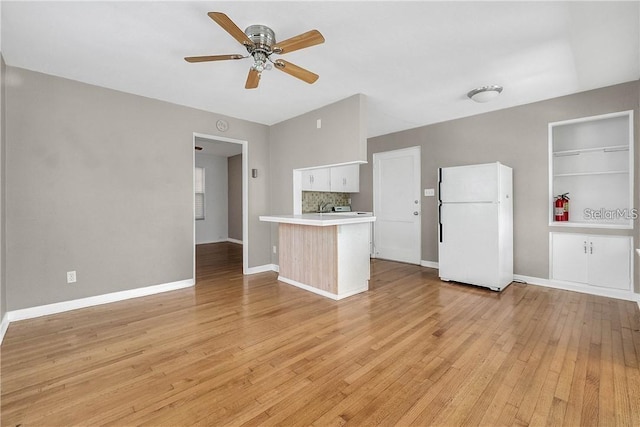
(429,264)
(4,325)
(585,289)
(224,240)
(262,269)
(59,307)
(320,291)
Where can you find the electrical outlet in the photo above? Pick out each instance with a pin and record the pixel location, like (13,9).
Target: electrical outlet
(71,276)
(275,249)
(429,192)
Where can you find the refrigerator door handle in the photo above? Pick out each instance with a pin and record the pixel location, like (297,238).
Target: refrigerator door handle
(440,222)
(440,185)
(440,204)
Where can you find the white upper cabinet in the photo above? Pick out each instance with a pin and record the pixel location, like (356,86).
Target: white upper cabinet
(345,179)
(316,179)
(336,179)
(592,159)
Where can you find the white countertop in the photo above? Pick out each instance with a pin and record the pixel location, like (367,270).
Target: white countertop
(321,220)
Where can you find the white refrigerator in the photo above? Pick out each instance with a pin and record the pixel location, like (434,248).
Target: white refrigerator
(476,225)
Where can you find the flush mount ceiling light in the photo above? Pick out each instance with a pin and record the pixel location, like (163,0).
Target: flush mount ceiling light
(485,93)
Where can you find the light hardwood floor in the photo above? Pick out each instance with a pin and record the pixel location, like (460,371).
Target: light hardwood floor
(238,350)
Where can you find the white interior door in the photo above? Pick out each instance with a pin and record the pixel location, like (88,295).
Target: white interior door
(396,205)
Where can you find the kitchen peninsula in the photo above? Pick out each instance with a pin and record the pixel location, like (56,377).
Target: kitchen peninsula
(327,254)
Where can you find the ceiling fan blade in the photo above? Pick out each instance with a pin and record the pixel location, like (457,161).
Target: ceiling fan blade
(310,38)
(252,79)
(212,58)
(230,27)
(295,71)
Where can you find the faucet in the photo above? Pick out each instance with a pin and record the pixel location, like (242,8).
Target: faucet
(322,206)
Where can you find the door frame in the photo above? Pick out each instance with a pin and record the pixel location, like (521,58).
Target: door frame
(245,196)
(418,150)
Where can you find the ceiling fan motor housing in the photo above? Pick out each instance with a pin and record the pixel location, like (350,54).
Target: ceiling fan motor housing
(262,37)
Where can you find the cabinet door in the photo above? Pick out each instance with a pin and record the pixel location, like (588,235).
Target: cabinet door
(569,257)
(610,261)
(345,179)
(322,179)
(307,180)
(351,178)
(316,179)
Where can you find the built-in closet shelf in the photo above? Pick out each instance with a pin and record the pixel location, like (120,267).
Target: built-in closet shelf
(591,159)
(590,173)
(607,149)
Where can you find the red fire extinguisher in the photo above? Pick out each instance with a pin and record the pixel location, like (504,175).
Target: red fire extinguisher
(565,199)
(559,209)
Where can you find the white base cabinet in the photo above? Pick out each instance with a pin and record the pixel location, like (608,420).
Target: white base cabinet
(592,260)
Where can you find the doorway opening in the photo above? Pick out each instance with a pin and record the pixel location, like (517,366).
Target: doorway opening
(220,195)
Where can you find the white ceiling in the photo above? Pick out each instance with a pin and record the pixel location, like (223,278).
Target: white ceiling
(415,61)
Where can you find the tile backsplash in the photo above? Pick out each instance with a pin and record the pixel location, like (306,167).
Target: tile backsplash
(311,200)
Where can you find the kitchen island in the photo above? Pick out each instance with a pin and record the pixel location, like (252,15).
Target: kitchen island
(327,254)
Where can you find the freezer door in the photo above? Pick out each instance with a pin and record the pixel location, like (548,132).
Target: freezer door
(475,183)
(469,246)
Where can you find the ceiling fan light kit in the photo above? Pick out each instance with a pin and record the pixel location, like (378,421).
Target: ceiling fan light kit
(260,42)
(485,93)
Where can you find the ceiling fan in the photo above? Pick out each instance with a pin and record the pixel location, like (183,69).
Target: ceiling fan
(260,42)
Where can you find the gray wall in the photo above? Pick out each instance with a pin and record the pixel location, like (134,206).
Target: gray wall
(100,182)
(297,143)
(234,167)
(214,227)
(3,287)
(516,137)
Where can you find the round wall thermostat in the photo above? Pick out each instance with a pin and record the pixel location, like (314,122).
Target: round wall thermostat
(222,125)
